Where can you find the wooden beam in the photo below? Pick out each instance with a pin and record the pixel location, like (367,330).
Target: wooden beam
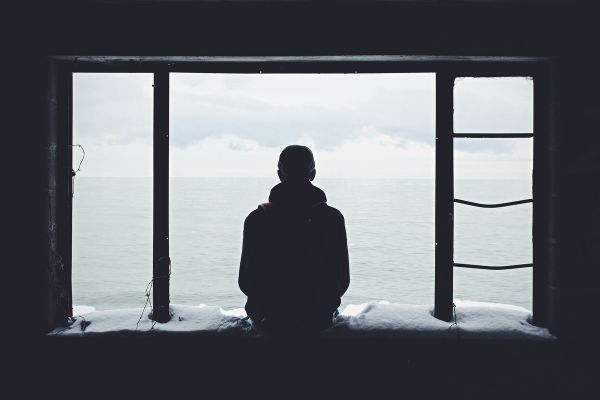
(58,151)
(444,197)
(541,198)
(161,262)
(494,135)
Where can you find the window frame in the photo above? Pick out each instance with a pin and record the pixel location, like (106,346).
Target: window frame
(444,194)
(446,68)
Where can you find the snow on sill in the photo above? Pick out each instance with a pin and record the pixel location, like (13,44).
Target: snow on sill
(474,320)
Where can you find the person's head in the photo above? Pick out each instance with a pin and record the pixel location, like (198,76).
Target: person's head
(296,163)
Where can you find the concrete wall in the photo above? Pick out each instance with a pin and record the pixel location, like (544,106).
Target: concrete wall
(575,280)
(564,30)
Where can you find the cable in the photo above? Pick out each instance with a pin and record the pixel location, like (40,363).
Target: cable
(149,288)
(82,158)
(84,323)
(148,292)
(455,322)
(73,173)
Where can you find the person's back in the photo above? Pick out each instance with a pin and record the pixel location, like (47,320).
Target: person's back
(294,266)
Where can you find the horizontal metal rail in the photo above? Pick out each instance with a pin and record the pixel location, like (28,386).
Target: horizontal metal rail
(493,135)
(497,205)
(492,267)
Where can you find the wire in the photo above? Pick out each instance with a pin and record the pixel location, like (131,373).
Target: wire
(148,292)
(149,288)
(455,322)
(84,323)
(73,173)
(82,158)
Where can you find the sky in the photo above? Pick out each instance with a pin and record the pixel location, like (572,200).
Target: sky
(358,125)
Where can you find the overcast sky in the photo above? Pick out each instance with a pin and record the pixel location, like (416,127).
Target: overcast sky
(358,125)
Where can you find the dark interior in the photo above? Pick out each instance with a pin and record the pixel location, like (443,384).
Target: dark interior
(145,35)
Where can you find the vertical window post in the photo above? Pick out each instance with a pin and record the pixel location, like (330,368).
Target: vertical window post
(160,247)
(58,150)
(444,196)
(541,196)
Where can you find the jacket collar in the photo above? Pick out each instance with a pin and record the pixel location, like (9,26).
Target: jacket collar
(297,193)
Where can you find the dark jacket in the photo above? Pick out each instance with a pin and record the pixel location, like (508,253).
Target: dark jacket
(294,265)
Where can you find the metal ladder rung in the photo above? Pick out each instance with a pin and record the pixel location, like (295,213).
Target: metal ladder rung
(497,205)
(492,267)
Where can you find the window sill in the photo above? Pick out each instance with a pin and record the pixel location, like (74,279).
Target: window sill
(376,319)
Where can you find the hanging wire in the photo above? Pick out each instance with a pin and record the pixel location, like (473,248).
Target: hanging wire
(82,158)
(73,173)
(148,293)
(149,288)
(84,324)
(455,322)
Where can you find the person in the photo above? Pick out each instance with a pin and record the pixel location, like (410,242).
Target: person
(294,266)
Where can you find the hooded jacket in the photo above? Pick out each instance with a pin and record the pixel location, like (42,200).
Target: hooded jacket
(294,266)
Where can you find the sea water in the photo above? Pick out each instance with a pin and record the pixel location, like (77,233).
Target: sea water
(389,223)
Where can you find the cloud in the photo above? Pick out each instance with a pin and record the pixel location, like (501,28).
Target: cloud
(114,107)
(276,110)
(369,155)
(493,105)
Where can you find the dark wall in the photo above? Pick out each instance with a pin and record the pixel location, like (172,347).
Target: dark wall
(565,30)
(575,282)
(300,28)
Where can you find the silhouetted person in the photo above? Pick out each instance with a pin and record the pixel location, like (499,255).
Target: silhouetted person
(294,267)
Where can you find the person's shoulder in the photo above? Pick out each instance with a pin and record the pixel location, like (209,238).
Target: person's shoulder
(255,215)
(333,213)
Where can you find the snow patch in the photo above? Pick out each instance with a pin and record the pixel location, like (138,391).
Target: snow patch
(390,319)
(236,312)
(183,319)
(474,320)
(353,309)
(80,310)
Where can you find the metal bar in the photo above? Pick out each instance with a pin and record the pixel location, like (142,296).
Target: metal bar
(161,261)
(552,312)
(58,234)
(67,176)
(512,72)
(493,135)
(541,194)
(484,64)
(492,267)
(468,66)
(444,197)
(496,205)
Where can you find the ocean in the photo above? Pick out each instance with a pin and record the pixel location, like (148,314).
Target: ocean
(389,223)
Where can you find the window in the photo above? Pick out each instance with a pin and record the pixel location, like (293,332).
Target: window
(499,173)
(112,194)
(490,117)
(373,137)
(450,128)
